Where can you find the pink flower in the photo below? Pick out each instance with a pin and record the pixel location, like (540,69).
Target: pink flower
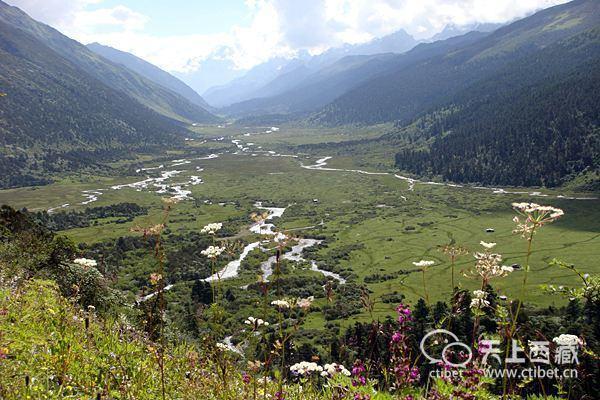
(396,337)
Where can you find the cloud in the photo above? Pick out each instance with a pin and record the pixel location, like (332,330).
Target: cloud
(118,17)
(276,28)
(53,12)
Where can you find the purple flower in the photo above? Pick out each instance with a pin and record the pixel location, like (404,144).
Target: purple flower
(245,378)
(280,395)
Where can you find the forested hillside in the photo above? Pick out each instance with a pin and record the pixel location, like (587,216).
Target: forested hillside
(517,107)
(416,87)
(56,117)
(64,108)
(150,72)
(152,95)
(534,123)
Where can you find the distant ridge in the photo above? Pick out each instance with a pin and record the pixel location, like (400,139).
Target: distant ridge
(144,91)
(60,113)
(149,71)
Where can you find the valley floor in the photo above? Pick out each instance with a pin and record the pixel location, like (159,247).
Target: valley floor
(373,222)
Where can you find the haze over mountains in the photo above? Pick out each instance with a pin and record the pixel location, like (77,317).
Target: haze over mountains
(268,79)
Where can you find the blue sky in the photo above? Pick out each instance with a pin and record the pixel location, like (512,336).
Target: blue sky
(184,36)
(181,17)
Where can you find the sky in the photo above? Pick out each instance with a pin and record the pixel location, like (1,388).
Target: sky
(181,36)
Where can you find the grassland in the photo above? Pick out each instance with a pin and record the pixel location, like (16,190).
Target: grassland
(390,223)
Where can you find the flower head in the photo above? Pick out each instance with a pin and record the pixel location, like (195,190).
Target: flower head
(479,299)
(255,322)
(281,304)
(222,347)
(334,369)
(155,278)
(213,252)
(567,340)
(169,201)
(85,262)
(305,303)
(454,251)
(488,266)
(305,368)
(534,216)
(212,229)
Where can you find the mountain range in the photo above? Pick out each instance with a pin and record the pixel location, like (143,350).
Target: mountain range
(150,72)
(304,94)
(518,106)
(65,106)
(278,74)
(514,106)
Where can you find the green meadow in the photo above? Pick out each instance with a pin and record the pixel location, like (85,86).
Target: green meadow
(380,223)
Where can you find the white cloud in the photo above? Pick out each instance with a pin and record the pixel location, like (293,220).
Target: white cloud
(53,12)
(276,27)
(119,17)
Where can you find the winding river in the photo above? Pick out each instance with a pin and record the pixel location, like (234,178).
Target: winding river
(162,179)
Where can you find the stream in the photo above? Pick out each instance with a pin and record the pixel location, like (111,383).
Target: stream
(162,179)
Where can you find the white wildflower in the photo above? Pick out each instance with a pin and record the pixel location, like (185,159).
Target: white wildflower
(479,299)
(211,229)
(213,251)
(281,304)
(334,369)
(487,245)
(306,368)
(488,266)
(222,347)
(255,322)
(567,340)
(535,216)
(85,262)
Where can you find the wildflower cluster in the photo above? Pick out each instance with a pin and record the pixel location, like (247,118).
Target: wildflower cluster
(305,303)
(568,340)
(424,264)
(255,322)
(359,374)
(404,372)
(281,304)
(153,230)
(85,262)
(488,265)
(305,368)
(212,228)
(479,300)
(534,215)
(334,369)
(155,278)
(213,252)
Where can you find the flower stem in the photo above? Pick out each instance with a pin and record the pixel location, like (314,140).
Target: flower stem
(425,287)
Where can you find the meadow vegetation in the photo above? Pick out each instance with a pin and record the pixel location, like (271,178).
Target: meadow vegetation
(391,242)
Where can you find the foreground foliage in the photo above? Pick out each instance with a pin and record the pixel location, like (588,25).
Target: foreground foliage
(65,334)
